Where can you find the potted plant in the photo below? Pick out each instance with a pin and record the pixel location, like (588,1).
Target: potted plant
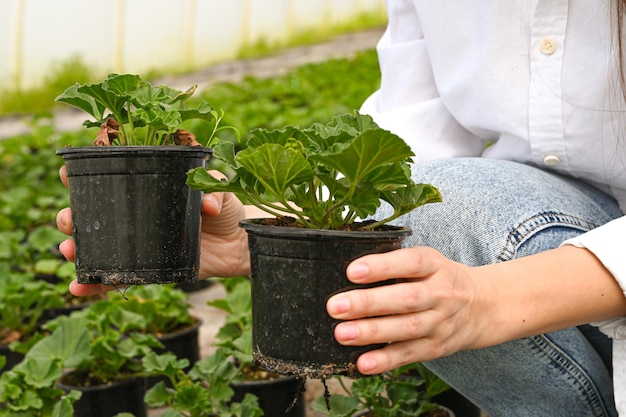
(165,313)
(326,177)
(278,395)
(24,302)
(29,388)
(109,375)
(135,221)
(202,391)
(405,391)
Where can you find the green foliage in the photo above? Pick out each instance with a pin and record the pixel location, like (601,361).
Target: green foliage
(235,335)
(116,342)
(406,391)
(162,307)
(305,95)
(23,301)
(29,389)
(146,114)
(327,176)
(204,390)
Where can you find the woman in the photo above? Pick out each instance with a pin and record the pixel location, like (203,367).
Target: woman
(514,111)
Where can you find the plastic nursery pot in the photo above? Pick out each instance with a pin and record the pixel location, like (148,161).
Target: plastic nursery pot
(125,396)
(184,343)
(293,273)
(278,397)
(135,220)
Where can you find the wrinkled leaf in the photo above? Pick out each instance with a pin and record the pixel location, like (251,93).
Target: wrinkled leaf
(276,167)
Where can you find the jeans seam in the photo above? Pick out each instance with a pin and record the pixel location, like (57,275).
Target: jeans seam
(562,361)
(536,223)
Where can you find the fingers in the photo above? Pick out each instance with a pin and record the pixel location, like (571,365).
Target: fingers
(395,355)
(64,221)
(68,249)
(212,204)
(383,300)
(402,263)
(63,175)
(222,213)
(387,329)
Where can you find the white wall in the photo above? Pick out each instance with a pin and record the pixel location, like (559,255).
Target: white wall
(141,35)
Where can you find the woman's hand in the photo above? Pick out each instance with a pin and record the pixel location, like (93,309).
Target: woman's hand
(223,244)
(438,307)
(428,313)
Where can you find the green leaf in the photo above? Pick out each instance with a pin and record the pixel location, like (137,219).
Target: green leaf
(63,408)
(82,101)
(406,199)
(199,178)
(39,372)
(69,342)
(193,397)
(370,150)
(261,136)
(276,167)
(340,405)
(159,395)
(112,93)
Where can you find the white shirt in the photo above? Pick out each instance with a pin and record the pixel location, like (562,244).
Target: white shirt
(535,78)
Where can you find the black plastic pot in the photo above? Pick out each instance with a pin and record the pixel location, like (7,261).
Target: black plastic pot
(135,220)
(109,400)
(183,343)
(278,397)
(12,358)
(293,273)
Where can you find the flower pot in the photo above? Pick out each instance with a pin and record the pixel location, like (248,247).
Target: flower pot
(293,273)
(135,220)
(13,358)
(108,400)
(278,397)
(457,403)
(183,343)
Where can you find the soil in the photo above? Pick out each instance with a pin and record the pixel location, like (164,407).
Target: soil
(286,221)
(302,371)
(86,379)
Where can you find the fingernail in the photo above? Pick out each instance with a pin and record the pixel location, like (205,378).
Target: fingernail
(212,200)
(358,270)
(366,364)
(347,332)
(338,305)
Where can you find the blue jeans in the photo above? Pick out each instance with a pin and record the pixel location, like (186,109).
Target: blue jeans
(494,211)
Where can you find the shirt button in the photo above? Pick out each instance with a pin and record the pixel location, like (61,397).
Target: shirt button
(551,160)
(548,46)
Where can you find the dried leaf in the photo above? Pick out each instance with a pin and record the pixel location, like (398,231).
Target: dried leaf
(185,138)
(109,131)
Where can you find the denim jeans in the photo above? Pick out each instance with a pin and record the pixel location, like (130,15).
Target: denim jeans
(494,211)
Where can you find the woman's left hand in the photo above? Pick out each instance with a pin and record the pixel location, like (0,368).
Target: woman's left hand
(431,310)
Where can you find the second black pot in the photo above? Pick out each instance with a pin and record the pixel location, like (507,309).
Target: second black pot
(278,397)
(293,273)
(108,400)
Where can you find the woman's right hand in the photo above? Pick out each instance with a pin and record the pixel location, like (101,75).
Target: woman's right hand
(223,244)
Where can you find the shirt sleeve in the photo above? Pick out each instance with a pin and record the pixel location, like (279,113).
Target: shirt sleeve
(407,102)
(606,243)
